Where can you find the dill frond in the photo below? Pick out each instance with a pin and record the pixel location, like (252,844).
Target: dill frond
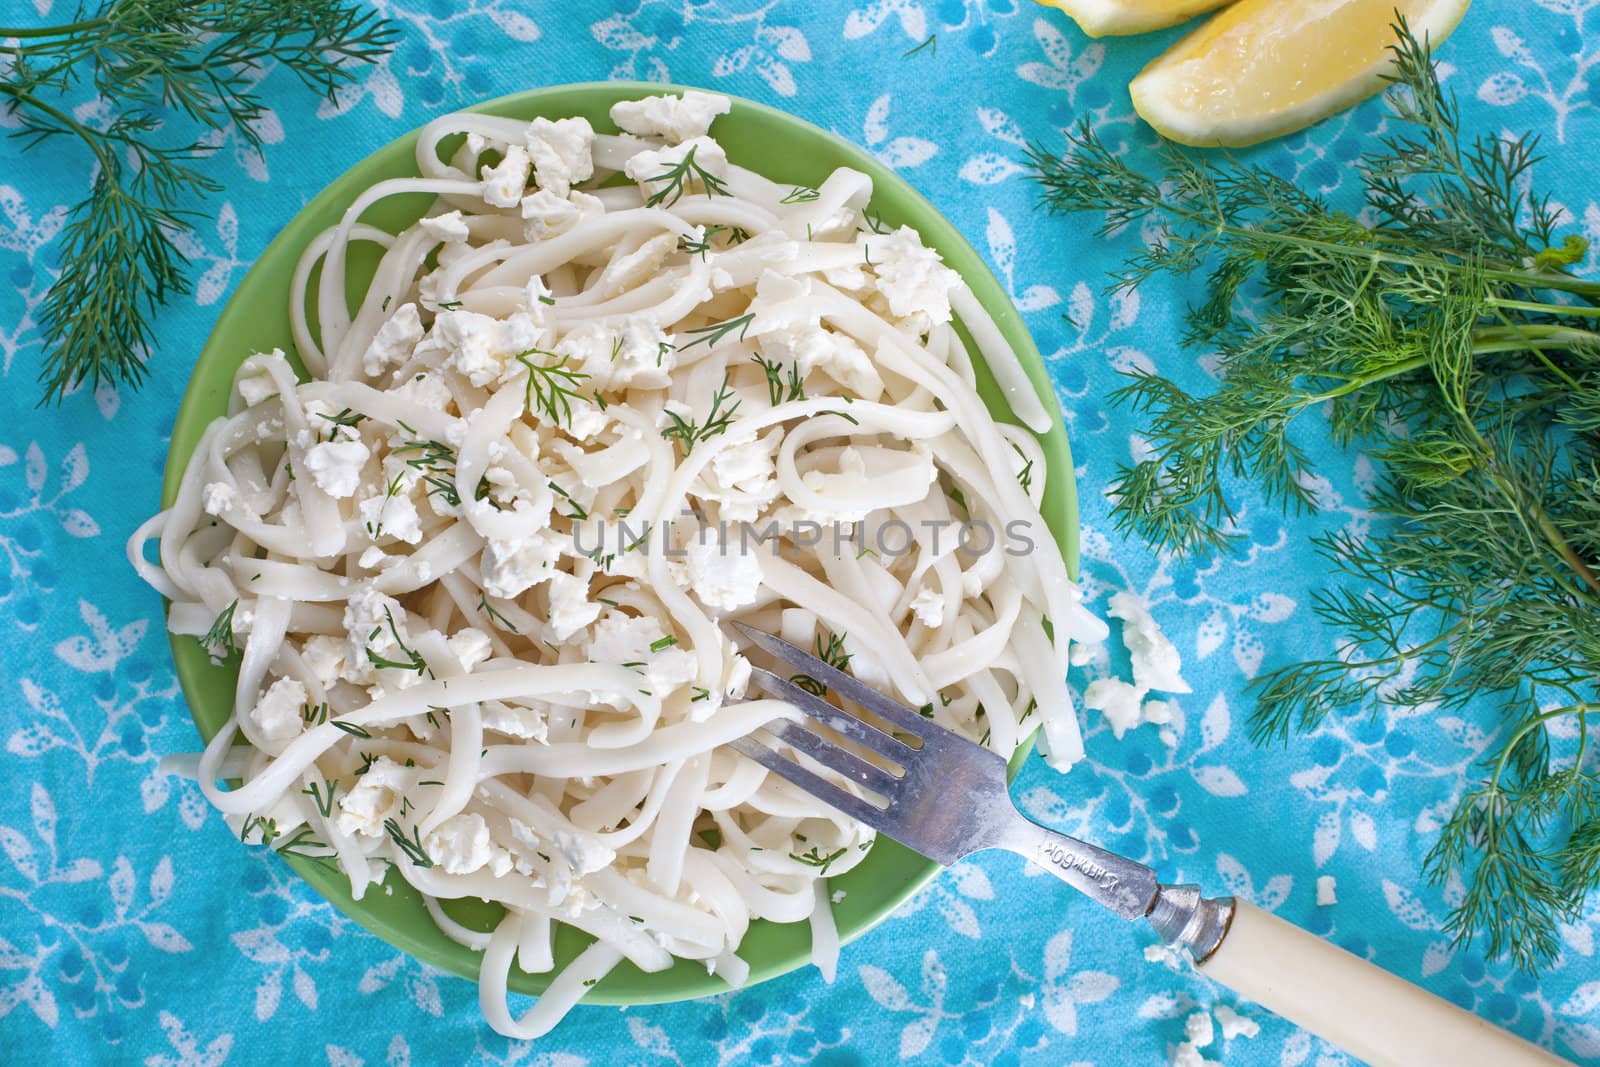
(157,64)
(1444,335)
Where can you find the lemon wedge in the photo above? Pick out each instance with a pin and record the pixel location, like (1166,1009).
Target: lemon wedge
(1101,18)
(1264,68)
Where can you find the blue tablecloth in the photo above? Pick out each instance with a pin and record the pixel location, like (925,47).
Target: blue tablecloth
(136,929)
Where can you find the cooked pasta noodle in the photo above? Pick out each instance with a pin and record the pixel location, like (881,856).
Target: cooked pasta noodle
(611,392)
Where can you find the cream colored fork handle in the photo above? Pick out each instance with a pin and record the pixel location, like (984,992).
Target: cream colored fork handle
(1363,1009)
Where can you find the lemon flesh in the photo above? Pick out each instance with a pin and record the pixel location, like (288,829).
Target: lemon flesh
(1264,68)
(1101,18)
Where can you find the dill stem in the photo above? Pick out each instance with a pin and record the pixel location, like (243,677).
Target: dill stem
(93,138)
(1362,381)
(1581,709)
(1540,308)
(52,31)
(1526,279)
(1531,337)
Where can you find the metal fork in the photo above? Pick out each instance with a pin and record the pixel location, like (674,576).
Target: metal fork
(946,797)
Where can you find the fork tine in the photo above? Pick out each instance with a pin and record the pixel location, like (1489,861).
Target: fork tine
(835,679)
(842,722)
(817,786)
(834,758)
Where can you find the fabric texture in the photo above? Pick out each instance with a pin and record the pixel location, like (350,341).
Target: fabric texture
(135,929)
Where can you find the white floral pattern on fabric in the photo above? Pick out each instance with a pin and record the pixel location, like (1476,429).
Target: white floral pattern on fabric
(135,928)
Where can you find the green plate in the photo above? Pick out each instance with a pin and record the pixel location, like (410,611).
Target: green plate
(765,140)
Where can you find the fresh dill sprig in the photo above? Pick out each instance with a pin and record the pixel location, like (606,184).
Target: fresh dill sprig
(579,512)
(494,616)
(158,66)
(413,660)
(780,389)
(321,795)
(931,44)
(733,235)
(800,194)
(712,335)
(812,857)
(830,652)
(675,181)
(550,389)
(411,846)
(1446,337)
(689,433)
(437,462)
(219,640)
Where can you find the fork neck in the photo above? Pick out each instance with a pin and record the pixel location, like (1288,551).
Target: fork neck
(1128,888)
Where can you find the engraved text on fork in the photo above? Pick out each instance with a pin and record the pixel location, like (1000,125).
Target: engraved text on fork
(1058,855)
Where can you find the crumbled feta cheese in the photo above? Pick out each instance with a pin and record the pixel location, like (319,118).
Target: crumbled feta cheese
(583,851)
(256,388)
(324,657)
(447,227)
(675,118)
(277,714)
(722,575)
(928,607)
(1327,891)
(470,646)
(650,167)
(511,568)
(1235,1025)
(482,348)
(838,896)
(219,497)
(809,346)
(545,214)
(366,611)
(374,798)
(1163,954)
(372,556)
(506,181)
(641,355)
(1155,659)
(741,478)
(1187,1055)
(570,607)
(621,638)
(335,466)
(516,721)
(913,280)
(1120,702)
(394,516)
(1197,1028)
(394,341)
(459,844)
(562,152)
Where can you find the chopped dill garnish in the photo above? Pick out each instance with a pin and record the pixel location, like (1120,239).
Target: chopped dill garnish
(494,616)
(830,652)
(712,335)
(677,179)
(413,660)
(689,433)
(663,643)
(550,388)
(800,194)
(778,389)
(813,857)
(219,639)
(411,846)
